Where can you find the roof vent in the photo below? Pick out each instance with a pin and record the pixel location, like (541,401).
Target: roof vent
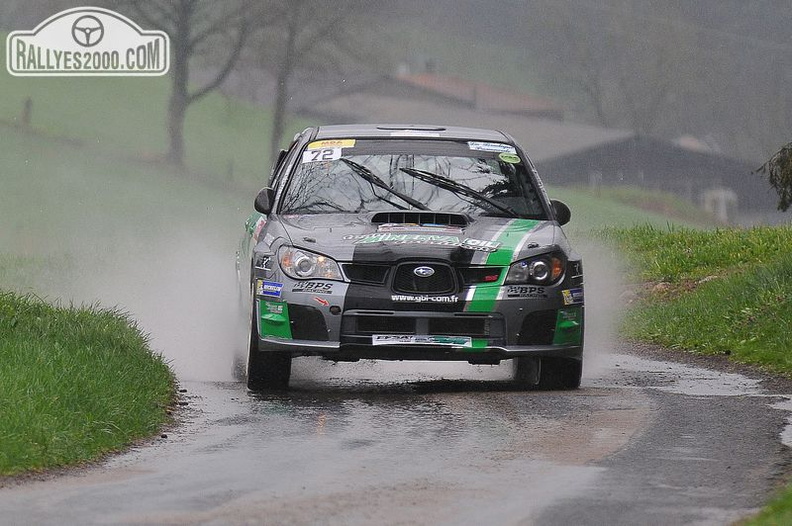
(411,127)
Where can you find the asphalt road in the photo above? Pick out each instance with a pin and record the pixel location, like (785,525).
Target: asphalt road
(642,442)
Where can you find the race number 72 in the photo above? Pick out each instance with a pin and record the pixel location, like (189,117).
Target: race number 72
(322,154)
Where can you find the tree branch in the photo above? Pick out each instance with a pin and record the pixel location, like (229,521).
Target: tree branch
(244,29)
(157,22)
(223,21)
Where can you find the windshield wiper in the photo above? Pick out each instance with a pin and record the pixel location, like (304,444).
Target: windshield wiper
(457,188)
(369,176)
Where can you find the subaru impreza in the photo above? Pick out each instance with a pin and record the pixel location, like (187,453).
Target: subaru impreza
(396,242)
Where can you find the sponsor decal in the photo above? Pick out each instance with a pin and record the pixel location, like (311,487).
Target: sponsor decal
(272,307)
(569,327)
(323,154)
(409,339)
(424,239)
(321,301)
(423,298)
(511,158)
(268,288)
(314,287)
(480,244)
(274,319)
(87,41)
(572,296)
(263,262)
(491,147)
(331,143)
(525,291)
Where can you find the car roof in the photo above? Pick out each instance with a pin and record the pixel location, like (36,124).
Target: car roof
(411,131)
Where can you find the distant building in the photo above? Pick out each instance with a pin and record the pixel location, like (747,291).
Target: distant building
(565,153)
(701,177)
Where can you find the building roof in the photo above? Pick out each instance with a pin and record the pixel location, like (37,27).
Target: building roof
(483,96)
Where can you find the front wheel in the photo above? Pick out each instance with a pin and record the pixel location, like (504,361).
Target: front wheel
(266,370)
(560,373)
(526,371)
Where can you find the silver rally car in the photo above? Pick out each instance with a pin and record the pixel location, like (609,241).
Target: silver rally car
(397,242)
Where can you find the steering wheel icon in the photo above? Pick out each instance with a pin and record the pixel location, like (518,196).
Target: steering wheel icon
(87,31)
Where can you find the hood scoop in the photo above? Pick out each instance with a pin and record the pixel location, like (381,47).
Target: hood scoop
(420,218)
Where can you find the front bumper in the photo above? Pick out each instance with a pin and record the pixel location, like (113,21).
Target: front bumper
(542,328)
(353,352)
(483,323)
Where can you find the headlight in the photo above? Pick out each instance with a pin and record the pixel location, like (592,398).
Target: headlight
(302,264)
(539,270)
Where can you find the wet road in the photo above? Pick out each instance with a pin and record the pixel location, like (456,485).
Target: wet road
(642,442)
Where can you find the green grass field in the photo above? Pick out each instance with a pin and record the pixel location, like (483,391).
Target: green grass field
(724,291)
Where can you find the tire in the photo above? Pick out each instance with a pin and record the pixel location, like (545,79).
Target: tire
(241,344)
(527,371)
(266,370)
(560,373)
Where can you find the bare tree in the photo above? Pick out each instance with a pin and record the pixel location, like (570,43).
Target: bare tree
(655,65)
(627,65)
(195,27)
(307,37)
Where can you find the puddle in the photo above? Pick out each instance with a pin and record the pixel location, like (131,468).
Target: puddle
(689,380)
(682,379)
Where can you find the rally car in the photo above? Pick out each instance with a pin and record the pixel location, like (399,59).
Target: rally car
(397,242)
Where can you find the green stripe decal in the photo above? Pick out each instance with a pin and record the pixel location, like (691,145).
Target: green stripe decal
(478,343)
(484,296)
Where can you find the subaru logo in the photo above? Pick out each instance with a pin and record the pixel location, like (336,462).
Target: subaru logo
(423,272)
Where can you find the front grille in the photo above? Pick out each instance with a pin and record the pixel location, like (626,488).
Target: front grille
(385,325)
(440,282)
(363,323)
(362,273)
(466,326)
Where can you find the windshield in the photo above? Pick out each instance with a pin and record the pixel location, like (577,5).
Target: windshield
(442,176)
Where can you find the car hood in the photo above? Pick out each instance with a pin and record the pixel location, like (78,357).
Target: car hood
(481,240)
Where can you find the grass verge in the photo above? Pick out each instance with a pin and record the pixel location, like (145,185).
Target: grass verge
(75,383)
(725,291)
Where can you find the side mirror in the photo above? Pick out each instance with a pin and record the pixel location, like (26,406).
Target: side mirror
(264,201)
(562,212)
